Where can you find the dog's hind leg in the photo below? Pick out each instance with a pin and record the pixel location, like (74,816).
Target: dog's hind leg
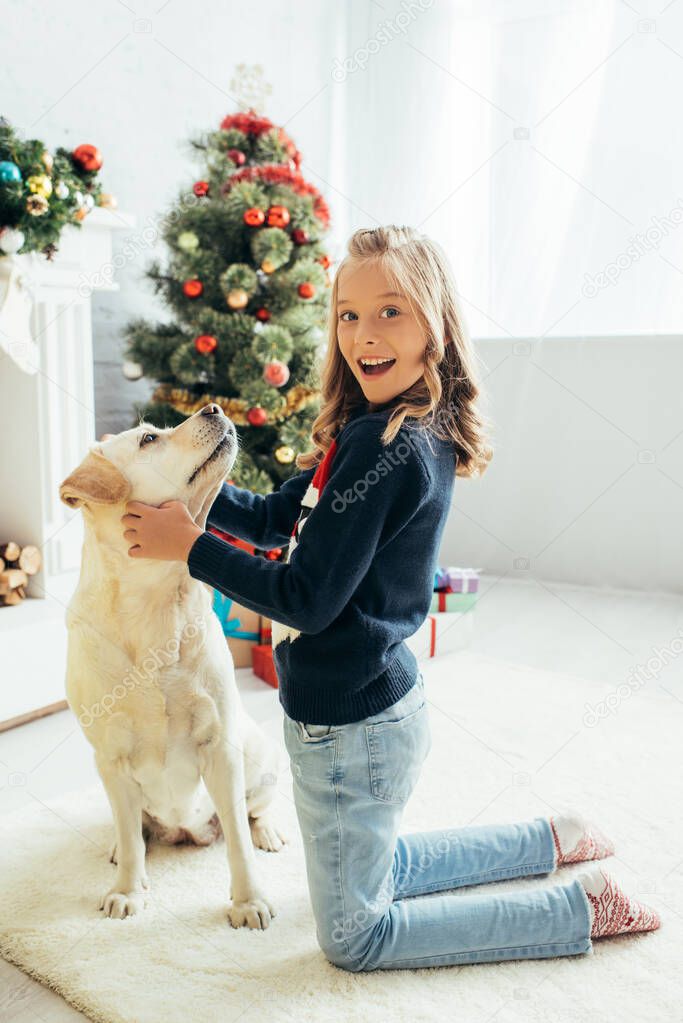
(265,833)
(260,771)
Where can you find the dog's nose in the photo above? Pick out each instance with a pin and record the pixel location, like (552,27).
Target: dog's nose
(210,410)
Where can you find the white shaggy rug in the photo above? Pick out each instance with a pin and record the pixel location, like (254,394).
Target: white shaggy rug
(509,742)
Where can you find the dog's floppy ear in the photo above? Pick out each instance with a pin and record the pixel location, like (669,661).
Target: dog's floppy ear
(95,481)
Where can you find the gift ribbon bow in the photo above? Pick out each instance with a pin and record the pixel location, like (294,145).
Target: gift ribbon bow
(231,626)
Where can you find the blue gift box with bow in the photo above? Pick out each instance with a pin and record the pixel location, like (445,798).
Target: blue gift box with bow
(232,627)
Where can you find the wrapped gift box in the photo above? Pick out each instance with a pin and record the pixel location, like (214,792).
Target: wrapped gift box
(263,665)
(442,633)
(462,580)
(241,626)
(456,580)
(444,602)
(234,540)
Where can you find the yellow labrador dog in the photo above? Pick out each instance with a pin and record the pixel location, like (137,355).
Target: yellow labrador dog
(150,676)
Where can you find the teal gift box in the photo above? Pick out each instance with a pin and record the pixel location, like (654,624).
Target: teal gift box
(241,626)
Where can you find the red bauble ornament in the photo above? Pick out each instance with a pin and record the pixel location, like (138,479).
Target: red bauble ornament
(257,416)
(263,315)
(299,236)
(237,156)
(192,289)
(205,344)
(254,216)
(274,554)
(276,373)
(88,157)
(325,261)
(306,290)
(201,188)
(278,216)
(278,174)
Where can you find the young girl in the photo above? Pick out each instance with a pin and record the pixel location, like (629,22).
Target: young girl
(398,422)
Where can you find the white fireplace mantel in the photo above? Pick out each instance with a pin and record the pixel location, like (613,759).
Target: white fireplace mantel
(49,416)
(48,420)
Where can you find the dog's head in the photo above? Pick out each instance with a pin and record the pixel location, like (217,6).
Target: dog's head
(185,463)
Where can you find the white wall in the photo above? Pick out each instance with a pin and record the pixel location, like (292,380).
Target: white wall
(586,480)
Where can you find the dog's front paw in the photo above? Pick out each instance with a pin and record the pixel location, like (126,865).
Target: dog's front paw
(121,904)
(256,912)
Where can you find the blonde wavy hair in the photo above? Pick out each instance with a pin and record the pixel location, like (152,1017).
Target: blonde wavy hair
(443,400)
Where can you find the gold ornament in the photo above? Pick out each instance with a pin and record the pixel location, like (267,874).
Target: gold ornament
(132,370)
(40,184)
(107,201)
(48,161)
(188,241)
(237,298)
(285,455)
(37,205)
(268,266)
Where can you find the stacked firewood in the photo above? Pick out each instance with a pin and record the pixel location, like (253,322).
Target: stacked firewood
(16,565)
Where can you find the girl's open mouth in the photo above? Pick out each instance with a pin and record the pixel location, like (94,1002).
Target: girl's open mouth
(375,367)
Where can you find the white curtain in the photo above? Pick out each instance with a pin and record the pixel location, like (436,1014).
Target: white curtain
(538,140)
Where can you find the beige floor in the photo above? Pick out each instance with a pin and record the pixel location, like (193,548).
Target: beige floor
(601,634)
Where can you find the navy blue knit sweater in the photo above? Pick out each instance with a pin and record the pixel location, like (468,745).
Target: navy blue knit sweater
(363,529)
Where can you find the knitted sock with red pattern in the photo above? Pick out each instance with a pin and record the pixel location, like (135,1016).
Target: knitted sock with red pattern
(612,910)
(576,839)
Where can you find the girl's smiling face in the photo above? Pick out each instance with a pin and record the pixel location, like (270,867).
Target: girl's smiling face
(373,322)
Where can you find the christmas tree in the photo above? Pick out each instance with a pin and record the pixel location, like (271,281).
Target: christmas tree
(41,193)
(247,282)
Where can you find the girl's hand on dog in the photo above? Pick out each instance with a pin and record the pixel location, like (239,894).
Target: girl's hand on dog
(166,533)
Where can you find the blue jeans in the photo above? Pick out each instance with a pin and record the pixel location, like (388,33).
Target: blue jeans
(351,783)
